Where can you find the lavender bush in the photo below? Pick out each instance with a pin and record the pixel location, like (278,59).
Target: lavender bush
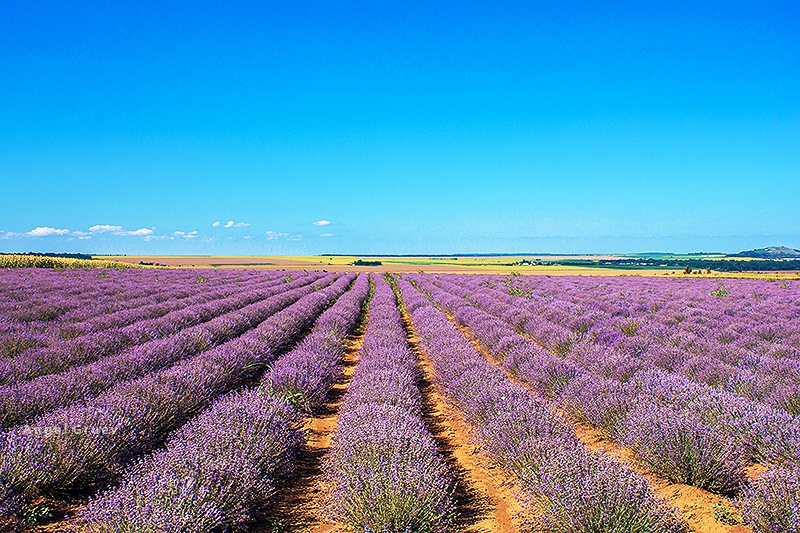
(680,447)
(219,465)
(573,488)
(771,504)
(386,472)
(88,445)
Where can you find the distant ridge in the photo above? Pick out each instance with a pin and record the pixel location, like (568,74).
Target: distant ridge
(772,252)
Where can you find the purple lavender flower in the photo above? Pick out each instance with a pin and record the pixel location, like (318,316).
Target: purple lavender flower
(771,503)
(681,448)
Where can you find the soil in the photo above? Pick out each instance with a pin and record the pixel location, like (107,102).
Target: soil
(694,504)
(487,496)
(299,505)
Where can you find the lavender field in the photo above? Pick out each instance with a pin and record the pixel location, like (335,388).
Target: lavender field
(239,400)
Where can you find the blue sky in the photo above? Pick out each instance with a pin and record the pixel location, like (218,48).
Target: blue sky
(402,127)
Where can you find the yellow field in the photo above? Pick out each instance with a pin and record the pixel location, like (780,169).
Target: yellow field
(442,265)
(38,261)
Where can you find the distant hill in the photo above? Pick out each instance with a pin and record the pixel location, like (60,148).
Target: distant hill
(773,252)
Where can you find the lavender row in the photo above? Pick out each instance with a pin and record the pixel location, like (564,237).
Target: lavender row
(36,285)
(85,446)
(573,488)
(100,314)
(583,389)
(306,374)
(603,388)
(247,439)
(671,428)
(25,339)
(37,361)
(747,346)
(210,474)
(64,355)
(38,302)
(386,472)
(55,313)
(166,301)
(658,436)
(21,402)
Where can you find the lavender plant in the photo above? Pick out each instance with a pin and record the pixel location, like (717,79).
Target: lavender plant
(217,467)
(573,488)
(679,446)
(87,445)
(771,503)
(386,472)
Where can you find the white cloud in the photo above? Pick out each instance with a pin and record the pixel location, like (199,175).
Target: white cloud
(119,230)
(103,228)
(248,236)
(321,222)
(44,231)
(326,234)
(215,224)
(191,235)
(273,235)
(294,237)
(179,233)
(232,224)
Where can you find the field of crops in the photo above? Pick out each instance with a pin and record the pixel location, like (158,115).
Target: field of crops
(265,401)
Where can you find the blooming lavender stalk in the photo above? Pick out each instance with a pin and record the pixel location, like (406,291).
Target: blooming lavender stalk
(384,466)
(771,503)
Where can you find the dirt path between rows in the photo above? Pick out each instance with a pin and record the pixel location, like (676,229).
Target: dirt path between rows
(299,505)
(694,504)
(486,495)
